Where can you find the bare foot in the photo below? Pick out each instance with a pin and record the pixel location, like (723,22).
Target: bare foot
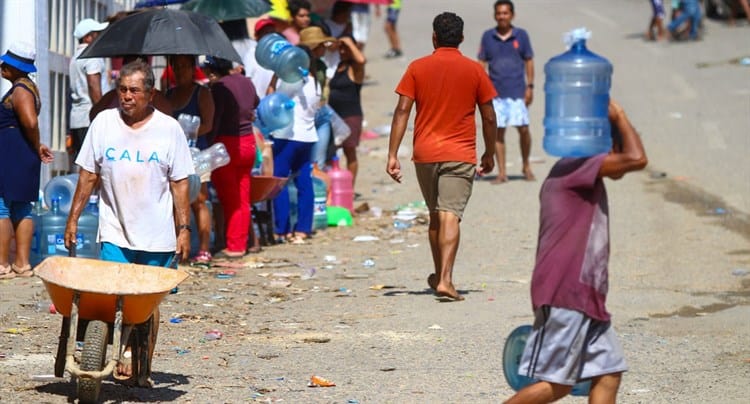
(500,179)
(432,281)
(528,175)
(124,370)
(449,292)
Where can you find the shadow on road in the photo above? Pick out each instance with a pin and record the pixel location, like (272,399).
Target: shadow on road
(162,390)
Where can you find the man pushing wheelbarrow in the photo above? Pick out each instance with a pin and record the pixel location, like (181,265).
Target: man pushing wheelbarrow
(140,160)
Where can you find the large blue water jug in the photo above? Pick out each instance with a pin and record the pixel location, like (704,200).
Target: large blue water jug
(35,253)
(576,106)
(88,227)
(50,227)
(289,62)
(320,214)
(61,188)
(52,239)
(293,204)
(275,111)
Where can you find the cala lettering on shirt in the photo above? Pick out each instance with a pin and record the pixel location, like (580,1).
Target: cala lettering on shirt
(136,156)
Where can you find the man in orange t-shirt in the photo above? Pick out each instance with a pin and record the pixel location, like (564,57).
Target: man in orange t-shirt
(447,87)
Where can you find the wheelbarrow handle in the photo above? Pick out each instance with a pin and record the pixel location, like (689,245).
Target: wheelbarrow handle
(175,260)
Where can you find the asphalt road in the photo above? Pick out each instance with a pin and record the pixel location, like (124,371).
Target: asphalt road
(695,122)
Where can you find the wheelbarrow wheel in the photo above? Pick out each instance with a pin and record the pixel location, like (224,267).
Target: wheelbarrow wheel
(92,359)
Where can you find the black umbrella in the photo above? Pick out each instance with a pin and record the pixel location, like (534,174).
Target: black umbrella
(163,32)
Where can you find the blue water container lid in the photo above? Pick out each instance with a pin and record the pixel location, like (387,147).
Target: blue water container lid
(577,51)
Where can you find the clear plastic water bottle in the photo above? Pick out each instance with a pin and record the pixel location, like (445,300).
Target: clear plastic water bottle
(576,88)
(342,191)
(289,62)
(275,111)
(62,189)
(320,215)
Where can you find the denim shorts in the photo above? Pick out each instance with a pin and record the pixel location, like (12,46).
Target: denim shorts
(113,253)
(15,210)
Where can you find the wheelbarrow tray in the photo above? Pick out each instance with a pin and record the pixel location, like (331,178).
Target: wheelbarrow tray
(265,187)
(99,283)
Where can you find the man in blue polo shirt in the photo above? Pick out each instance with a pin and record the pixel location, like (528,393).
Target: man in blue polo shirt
(506,52)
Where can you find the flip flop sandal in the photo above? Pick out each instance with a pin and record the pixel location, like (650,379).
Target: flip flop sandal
(6,272)
(23,272)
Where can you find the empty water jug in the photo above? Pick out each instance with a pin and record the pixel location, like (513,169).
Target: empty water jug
(320,216)
(576,107)
(88,226)
(35,253)
(289,62)
(61,188)
(52,235)
(194,187)
(342,190)
(210,159)
(190,125)
(275,111)
(339,128)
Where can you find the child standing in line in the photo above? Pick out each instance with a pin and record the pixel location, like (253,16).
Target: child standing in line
(572,337)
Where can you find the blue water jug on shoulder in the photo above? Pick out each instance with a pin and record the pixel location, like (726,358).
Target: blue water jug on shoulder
(275,111)
(576,89)
(289,62)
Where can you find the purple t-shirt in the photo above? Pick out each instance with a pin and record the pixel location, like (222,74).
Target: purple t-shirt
(506,60)
(573,250)
(235,101)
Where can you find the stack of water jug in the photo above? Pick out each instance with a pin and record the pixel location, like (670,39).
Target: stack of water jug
(49,224)
(577,84)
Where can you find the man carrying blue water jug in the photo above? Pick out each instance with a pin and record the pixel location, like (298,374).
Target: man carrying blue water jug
(506,52)
(572,338)
(141,160)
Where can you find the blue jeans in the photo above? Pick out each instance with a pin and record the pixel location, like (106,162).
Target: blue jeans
(691,10)
(292,158)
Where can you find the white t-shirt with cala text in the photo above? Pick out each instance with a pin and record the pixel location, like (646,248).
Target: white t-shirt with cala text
(136,167)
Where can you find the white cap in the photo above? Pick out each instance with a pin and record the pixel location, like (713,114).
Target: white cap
(88,25)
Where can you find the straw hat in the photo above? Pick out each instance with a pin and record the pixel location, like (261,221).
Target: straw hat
(313,36)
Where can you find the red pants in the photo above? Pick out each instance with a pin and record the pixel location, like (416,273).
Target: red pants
(232,183)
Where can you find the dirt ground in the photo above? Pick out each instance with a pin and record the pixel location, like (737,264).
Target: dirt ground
(353,307)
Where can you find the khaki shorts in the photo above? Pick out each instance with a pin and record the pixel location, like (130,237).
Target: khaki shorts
(446,186)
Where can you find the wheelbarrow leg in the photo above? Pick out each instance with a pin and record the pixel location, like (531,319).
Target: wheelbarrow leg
(143,350)
(62,344)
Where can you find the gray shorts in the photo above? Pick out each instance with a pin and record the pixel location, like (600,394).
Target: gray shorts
(566,346)
(446,186)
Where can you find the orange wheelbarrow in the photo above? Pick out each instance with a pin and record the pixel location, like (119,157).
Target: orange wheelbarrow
(104,303)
